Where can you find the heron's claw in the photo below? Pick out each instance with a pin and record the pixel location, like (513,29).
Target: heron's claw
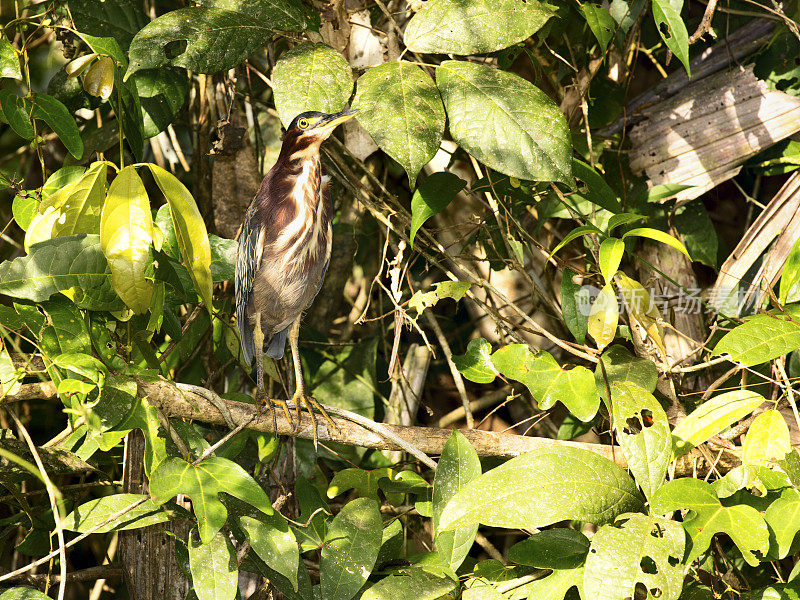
(300,399)
(269,403)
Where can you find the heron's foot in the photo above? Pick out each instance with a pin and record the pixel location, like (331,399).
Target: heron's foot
(299,398)
(270,403)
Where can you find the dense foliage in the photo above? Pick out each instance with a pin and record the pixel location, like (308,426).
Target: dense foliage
(534,241)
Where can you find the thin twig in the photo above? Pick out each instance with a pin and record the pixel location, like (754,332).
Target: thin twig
(448,355)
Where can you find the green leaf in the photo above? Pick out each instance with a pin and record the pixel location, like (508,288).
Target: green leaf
(401,109)
(621,366)
(60,264)
(92,513)
(551,549)
(712,417)
(658,236)
(126,104)
(604,317)
(598,191)
(791,272)
(458,465)
(767,439)
(56,115)
(215,571)
(351,547)
(190,230)
(628,554)
(667,17)
(543,487)
(126,233)
(547,382)
(443,289)
(574,306)
(610,256)
(742,523)
(760,338)
(310,76)
(432,196)
(579,231)
(643,433)
(162,93)
(9,61)
(107,46)
(203,40)
(288,15)
(601,23)
(552,587)
(21,593)
(273,541)
(118,19)
(505,122)
(202,484)
(24,208)
(476,364)
(782,591)
(9,377)
(17,112)
(363,481)
(348,379)
(783,520)
(698,233)
(416,583)
(73,209)
(473,26)
(622,219)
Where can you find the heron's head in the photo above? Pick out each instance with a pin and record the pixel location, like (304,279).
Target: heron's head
(311,128)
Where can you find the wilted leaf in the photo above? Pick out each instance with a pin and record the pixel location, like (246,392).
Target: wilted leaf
(190,230)
(458,465)
(742,523)
(203,483)
(476,364)
(505,122)
(636,550)
(712,417)
(543,487)
(126,232)
(643,433)
(310,76)
(99,79)
(401,109)
(604,317)
(350,550)
(215,571)
(473,26)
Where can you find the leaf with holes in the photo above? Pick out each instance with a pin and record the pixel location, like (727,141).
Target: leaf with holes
(432,196)
(203,483)
(712,417)
(458,465)
(547,382)
(401,109)
(443,289)
(190,230)
(476,363)
(126,233)
(350,550)
(473,26)
(637,550)
(760,338)
(621,366)
(505,122)
(60,264)
(413,582)
(600,22)
(767,439)
(543,487)
(203,40)
(310,76)
(643,433)
(742,523)
(215,571)
(667,17)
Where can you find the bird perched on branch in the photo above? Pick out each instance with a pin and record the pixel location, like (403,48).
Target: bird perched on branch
(284,249)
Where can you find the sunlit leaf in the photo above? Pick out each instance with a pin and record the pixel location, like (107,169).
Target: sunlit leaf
(505,122)
(791,272)
(90,514)
(126,232)
(9,61)
(579,231)
(667,17)
(642,311)
(99,79)
(443,289)
(610,256)
(658,236)
(473,26)
(310,76)
(543,487)
(416,583)
(190,230)
(760,338)
(214,568)
(604,317)
(273,541)
(401,109)
(621,366)
(767,439)
(559,548)
(476,364)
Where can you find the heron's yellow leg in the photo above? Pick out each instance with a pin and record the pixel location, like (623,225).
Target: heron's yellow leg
(261,392)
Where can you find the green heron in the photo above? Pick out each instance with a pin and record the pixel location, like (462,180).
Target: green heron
(284,250)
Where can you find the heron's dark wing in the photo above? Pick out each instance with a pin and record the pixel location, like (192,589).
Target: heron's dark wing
(277,344)
(247,263)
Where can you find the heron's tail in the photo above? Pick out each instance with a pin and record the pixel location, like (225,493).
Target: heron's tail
(276,344)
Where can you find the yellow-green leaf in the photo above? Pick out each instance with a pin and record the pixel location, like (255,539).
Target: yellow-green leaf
(190,231)
(126,232)
(610,255)
(767,439)
(604,317)
(658,236)
(99,79)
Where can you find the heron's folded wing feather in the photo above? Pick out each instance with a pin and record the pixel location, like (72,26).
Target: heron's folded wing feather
(247,263)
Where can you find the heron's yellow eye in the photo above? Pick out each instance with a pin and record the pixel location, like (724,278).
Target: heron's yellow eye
(302,123)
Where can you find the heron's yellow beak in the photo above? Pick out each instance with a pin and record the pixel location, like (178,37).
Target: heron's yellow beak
(327,124)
